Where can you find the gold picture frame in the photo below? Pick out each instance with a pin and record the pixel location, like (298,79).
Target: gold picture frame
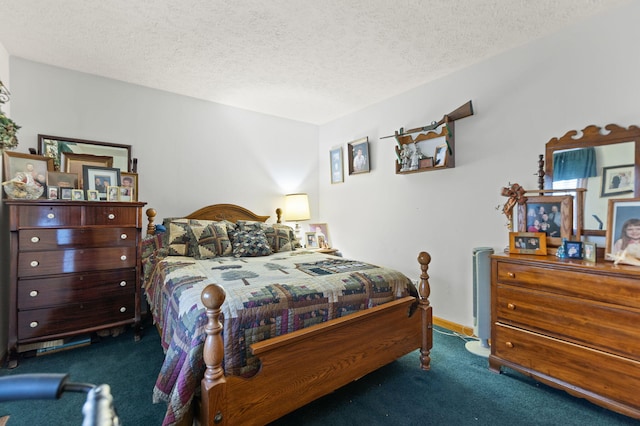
(528,243)
(128,186)
(73,163)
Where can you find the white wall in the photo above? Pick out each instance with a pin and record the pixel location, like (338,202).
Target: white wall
(583,75)
(4,247)
(190,153)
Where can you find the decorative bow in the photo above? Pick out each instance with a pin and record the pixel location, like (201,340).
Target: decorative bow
(516,196)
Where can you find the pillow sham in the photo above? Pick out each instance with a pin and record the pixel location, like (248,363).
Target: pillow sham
(210,241)
(281,237)
(179,235)
(251,243)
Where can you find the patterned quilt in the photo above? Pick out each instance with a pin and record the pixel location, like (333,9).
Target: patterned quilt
(266,297)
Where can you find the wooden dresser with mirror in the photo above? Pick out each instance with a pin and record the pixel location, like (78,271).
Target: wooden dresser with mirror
(569,323)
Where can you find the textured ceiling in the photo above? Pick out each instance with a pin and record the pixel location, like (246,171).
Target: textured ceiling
(308,60)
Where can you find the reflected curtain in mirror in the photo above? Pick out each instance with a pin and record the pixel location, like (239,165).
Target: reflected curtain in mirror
(575,164)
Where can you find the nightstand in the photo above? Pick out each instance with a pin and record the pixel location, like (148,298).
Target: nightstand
(331,251)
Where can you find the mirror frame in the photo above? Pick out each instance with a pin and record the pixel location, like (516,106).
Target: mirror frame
(593,136)
(125,150)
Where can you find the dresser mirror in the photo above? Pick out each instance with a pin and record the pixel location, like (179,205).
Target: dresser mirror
(606,162)
(56,147)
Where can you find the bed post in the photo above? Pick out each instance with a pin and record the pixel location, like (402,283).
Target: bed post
(213,385)
(424,290)
(151,215)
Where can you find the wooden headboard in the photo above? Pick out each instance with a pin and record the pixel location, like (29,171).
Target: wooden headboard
(230,212)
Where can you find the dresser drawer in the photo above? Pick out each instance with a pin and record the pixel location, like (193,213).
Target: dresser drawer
(619,290)
(75,318)
(74,288)
(105,214)
(40,263)
(48,216)
(52,239)
(612,377)
(597,325)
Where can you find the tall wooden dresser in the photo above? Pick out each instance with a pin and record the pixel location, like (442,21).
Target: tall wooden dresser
(569,324)
(75,269)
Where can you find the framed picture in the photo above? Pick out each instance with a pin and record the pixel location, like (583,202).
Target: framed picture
(528,243)
(65,193)
(62,180)
(99,178)
(441,156)
(623,228)
(589,251)
(128,186)
(359,156)
(552,215)
(337,171)
(52,192)
(311,240)
(57,147)
(573,249)
(113,193)
(322,231)
(28,168)
(92,195)
(73,163)
(77,194)
(617,180)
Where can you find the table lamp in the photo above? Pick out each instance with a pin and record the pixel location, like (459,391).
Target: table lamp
(296,208)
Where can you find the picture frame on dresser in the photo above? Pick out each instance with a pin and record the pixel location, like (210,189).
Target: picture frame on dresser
(541,213)
(27,168)
(623,229)
(128,186)
(589,251)
(311,240)
(321,230)
(528,243)
(62,180)
(65,193)
(99,178)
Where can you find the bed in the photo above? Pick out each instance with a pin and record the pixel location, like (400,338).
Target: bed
(313,340)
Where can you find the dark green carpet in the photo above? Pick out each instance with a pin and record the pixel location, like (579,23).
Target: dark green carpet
(459,390)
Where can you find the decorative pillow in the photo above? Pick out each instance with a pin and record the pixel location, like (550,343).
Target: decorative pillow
(247,225)
(151,244)
(179,237)
(250,243)
(210,241)
(280,237)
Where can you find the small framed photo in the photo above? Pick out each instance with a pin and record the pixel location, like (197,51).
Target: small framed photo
(52,192)
(63,180)
(617,180)
(113,193)
(441,155)
(337,171)
(359,156)
(311,239)
(65,193)
(550,214)
(99,178)
(589,251)
(528,243)
(77,194)
(623,228)
(322,231)
(573,249)
(92,195)
(128,186)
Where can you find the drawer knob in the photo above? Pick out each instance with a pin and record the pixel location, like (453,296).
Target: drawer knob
(509,345)
(511,306)
(123,257)
(33,324)
(33,293)
(123,309)
(511,274)
(123,236)
(111,216)
(34,263)
(51,216)
(35,239)
(123,283)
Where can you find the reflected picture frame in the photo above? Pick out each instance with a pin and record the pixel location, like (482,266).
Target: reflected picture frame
(99,178)
(528,243)
(617,180)
(56,146)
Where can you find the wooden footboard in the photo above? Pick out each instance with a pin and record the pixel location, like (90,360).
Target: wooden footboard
(302,366)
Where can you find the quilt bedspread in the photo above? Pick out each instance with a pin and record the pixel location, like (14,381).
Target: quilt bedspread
(266,297)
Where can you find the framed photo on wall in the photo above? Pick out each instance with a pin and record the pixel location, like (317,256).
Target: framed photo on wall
(623,228)
(337,168)
(359,156)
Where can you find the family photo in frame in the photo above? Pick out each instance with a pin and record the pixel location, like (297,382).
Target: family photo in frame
(551,215)
(359,156)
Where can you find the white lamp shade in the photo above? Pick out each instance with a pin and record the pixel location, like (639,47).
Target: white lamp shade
(296,207)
